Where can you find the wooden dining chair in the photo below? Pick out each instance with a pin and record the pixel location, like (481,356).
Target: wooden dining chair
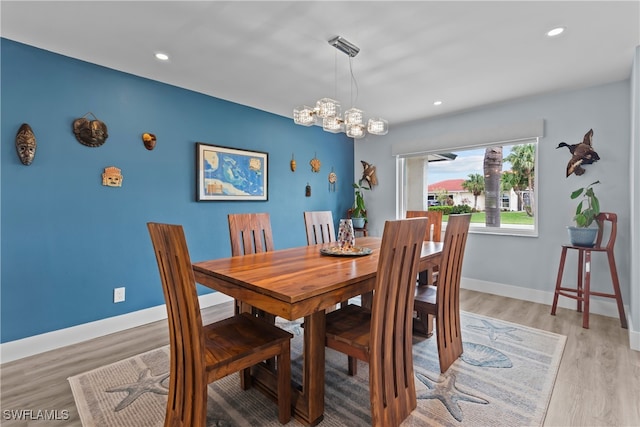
(201,354)
(250,233)
(382,335)
(433,234)
(582,292)
(443,301)
(320,227)
(434,230)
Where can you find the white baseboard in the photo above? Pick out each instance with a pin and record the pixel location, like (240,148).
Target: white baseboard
(36,344)
(30,346)
(597,306)
(634,334)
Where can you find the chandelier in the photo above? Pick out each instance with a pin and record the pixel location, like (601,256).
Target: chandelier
(329,110)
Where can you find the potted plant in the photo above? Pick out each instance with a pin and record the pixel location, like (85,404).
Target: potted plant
(583,234)
(359,210)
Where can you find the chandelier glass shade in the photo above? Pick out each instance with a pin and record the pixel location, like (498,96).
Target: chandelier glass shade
(378,126)
(328,107)
(304,115)
(329,110)
(333,124)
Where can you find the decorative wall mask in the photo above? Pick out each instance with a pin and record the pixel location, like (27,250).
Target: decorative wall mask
(582,154)
(149,141)
(307,190)
(292,164)
(332,180)
(112,177)
(92,133)
(369,175)
(26,144)
(315,164)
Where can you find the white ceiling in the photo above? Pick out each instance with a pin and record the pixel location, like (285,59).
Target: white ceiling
(274,55)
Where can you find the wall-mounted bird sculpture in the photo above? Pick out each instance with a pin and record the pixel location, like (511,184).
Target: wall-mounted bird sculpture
(582,154)
(368,175)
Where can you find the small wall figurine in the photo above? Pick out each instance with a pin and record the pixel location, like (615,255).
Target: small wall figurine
(369,175)
(315,164)
(112,177)
(307,190)
(149,141)
(582,154)
(292,163)
(92,133)
(26,144)
(332,180)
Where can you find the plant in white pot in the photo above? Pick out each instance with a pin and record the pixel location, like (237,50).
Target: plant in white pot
(359,210)
(583,233)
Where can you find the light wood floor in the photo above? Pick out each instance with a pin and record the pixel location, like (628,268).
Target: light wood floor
(598,383)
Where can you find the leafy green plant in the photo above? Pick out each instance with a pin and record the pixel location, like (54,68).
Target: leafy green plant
(585,215)
(359,207)
(446,210)
(461,209)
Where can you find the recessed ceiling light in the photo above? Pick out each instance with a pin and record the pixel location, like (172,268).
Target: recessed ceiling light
(555,32)
(437,102)
(162,56)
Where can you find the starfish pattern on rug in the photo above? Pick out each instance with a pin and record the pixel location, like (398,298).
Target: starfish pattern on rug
(146,383)
(495,332)
(447,393)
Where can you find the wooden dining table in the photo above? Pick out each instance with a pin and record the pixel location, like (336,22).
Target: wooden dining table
(301,283)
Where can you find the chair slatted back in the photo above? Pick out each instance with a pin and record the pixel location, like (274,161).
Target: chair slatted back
(250,233)
(601,219)
(392,385)
(319,227)
(448,294)
(186,335)
(434,229)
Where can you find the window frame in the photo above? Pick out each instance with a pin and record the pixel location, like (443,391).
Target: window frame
(401,200)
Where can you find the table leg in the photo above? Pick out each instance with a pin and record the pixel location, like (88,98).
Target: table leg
(311,410)
(307,399)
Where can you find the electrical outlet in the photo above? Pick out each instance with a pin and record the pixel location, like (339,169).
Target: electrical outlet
(118,294)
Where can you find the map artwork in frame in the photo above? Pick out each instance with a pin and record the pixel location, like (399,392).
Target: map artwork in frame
(225,173)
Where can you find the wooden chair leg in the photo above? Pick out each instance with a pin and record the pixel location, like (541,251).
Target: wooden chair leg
(423,324)
(587,288)
(284,385)
(353,366)
(580,291)
(616,288)
(556,294)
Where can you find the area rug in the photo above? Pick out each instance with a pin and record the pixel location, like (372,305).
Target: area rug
(504,378)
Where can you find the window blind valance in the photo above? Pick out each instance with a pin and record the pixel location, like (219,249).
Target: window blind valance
(511,132)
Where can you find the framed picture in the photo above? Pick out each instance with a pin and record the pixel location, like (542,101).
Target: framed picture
(225,173)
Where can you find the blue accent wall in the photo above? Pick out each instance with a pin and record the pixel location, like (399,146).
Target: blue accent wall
(68,241)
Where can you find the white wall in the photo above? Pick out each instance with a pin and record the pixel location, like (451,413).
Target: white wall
(567,117)
(635,198)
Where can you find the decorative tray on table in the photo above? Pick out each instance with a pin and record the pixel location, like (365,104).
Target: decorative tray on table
(351,251)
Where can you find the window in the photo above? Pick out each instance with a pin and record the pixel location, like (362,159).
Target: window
(497,183)
(505,201)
